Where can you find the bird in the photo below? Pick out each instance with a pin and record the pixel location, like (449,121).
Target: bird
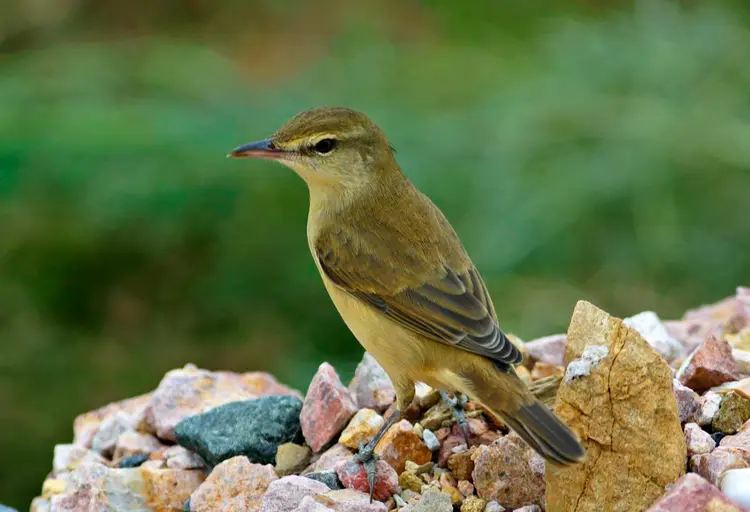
(401,279)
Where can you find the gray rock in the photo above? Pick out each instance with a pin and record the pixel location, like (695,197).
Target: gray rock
(285,495)
(4,508)
(254,428)
(431,501)
(330,478)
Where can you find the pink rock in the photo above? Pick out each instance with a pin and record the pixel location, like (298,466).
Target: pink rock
(691,493)
(87,425)
(135,443)
(327,460)
(712,466)
(698,441)
(549,349)
(466,488)
(740,443)
(479,434)
(85,497)
(688,402)
(529,508)
(709,408)
(68,457)
(371,387)
(235,484)
(327,408)
(354,476)
(710,365)
(344,500)
(510,472)
(189,391)
(177,457)
(727,315)
(284,495)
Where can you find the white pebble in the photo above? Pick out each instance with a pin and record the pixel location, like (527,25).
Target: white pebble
(430,440)
(736,485)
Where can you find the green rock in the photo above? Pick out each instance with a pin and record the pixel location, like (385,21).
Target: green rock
(733,412)
(254,428)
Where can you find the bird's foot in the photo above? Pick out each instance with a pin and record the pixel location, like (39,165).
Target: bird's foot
(367,456)
(457,404)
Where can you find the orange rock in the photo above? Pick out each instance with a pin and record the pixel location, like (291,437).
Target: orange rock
(400,444)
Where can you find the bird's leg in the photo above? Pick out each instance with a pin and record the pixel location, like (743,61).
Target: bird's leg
(456,405)
(366,454)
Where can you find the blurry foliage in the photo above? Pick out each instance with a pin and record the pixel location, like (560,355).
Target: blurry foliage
(580,153)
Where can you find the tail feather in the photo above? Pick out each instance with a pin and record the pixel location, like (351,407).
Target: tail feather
(544,432)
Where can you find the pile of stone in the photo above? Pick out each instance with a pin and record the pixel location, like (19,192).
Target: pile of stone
(663,409)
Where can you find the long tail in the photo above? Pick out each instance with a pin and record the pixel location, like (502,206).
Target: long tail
(506,396)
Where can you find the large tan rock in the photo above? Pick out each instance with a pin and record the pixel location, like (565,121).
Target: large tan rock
(617,395)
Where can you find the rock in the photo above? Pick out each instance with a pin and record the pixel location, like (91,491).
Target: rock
(327,408)
(121,489)
(4,508)
(688,402)
(550,349)
(691,493)
(361,429)
(529,508)
(354,476)
(712,466)
(400,444)
(473,504)
(430,440)
(190,391)
(742,357)
(709,408)
(697,440)
(135,443)
(650,327)
(254,428)
(330,478)
(461,464)
(494,506)
(68,457)
(431,501)
(741,387)
(87,425)
(425,396)
(709,365)
(234,485)
(733,412)
(724,317)
(542,370)
(132,461)
(177,457)
(371,387)
(110,431)
(410,480)
(292,458)
(735,484)
(344,500)
(621,410)
(509,472)
(39,504)
(466,488)
(328,459)
(449,486)
(740,443)
(284,495)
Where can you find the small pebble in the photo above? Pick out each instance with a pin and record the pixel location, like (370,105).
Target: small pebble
(430,440)
(132,461)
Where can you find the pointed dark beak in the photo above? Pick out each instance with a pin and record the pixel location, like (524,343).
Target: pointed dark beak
(259,149)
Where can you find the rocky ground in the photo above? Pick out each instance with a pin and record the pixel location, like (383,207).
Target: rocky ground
(662,407)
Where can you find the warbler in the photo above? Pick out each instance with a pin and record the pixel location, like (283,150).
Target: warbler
(400,277)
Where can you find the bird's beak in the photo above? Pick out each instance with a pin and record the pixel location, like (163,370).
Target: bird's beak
(259,149)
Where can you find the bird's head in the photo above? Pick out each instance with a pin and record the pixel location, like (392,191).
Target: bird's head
(327,145)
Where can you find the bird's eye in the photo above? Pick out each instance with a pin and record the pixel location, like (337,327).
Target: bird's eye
(325,146)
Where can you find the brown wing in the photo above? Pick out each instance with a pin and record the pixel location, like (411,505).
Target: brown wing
(439,303)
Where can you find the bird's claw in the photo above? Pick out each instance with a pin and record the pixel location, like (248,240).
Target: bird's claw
(367,456)
(456,404)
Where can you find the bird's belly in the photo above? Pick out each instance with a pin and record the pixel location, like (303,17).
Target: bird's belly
(395,348)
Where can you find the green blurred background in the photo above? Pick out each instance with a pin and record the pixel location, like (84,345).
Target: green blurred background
(582,149)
